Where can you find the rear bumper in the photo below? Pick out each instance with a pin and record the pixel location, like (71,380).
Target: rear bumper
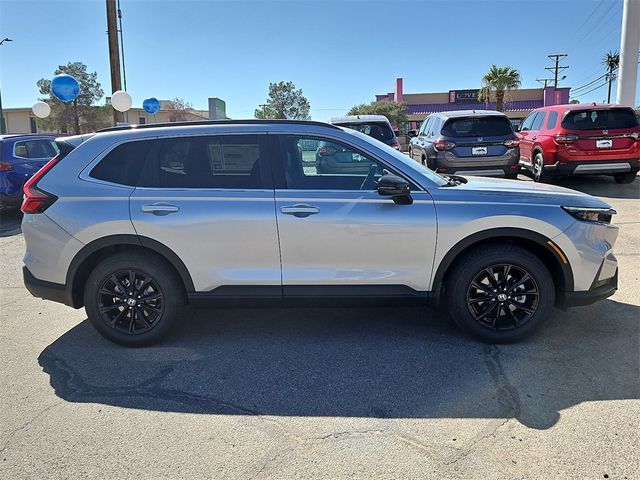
(502,166)
(594,294)
(46,290)
(591,167)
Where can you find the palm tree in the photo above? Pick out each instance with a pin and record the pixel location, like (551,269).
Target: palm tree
(500,79)
(611,60)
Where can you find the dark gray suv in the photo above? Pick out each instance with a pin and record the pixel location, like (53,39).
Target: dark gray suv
(467,142)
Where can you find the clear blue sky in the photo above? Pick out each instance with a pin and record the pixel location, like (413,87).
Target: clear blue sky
(339,52)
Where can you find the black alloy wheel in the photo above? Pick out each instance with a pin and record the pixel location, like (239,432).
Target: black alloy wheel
(503,297)
(130,302)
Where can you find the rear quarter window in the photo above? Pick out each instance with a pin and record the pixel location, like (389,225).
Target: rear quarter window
(553,120)
(598,119)
(123,164)
(477,127)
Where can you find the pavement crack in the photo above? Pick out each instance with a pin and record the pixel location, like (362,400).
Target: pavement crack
(27,424)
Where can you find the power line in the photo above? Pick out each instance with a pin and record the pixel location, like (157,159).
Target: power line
(589,91)
(587,85)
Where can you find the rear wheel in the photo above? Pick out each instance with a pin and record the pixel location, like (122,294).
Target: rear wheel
(133,299)
(538,168)
(627,177)
(500,293)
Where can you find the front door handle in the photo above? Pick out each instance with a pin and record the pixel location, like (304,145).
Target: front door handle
(159,208)
(300,210)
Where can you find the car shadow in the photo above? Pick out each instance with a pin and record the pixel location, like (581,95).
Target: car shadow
(601,186)
(10,222)
(384,363)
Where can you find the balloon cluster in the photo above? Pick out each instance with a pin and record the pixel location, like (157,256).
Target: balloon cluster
(66,89)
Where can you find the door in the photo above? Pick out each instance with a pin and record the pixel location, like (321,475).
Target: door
(210,200)
(338,236)
(526,140)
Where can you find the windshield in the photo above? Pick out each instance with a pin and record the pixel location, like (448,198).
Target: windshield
(477,127)
(378,130)
(597,119)
(401,157)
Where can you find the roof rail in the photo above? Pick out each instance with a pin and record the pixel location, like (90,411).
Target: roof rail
(215,122)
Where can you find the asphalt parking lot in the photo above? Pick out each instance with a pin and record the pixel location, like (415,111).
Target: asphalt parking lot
(331,393)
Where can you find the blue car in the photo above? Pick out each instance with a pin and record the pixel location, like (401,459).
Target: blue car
(20,157)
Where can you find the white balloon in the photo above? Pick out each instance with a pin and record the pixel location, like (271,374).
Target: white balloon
(41,109)
(121,101)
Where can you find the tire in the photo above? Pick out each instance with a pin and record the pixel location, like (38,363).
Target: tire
(146,322)
(537,168)
(528,311)
(625,178)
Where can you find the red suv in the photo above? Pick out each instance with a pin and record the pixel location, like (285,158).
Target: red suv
(581,139)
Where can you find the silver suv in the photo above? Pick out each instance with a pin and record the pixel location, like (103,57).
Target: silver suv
(135,223)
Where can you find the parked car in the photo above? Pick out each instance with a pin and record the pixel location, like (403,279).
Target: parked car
(581,139)
(134,223)
(467,142)
(331,158)
(20,157)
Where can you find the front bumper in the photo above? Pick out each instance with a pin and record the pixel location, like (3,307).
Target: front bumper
(46,290)
(599,291)
(608,167)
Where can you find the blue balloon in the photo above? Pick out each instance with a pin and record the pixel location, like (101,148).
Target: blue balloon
(65,87)
(151,105)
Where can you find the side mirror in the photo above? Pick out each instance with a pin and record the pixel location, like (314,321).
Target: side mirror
(412,133)
(395,187)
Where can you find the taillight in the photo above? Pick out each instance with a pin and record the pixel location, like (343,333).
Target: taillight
(512,143)
(36,200)
(443,145)
(566,139)
(325,151)
(5,167)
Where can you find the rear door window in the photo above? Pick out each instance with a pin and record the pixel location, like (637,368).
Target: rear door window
(598,119)
(477,127)
(217,161)
(537,123)
(35,149)
(123,164)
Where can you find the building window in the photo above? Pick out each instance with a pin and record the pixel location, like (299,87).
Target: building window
(32,124)
(142,120)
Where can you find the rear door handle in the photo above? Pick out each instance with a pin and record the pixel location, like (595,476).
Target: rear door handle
(159,208)
(300,210)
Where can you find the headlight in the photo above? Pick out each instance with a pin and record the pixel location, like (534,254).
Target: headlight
(586,214)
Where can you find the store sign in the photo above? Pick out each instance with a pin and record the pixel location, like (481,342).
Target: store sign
(463,96)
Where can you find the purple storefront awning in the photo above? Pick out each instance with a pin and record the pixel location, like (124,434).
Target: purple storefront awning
(518,105)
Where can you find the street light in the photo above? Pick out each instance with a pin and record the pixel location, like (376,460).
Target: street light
(3,130)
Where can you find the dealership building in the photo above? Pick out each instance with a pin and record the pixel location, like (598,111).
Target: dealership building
(518,103)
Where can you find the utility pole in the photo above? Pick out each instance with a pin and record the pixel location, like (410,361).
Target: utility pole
(557,68)
(114,53)
(629,43)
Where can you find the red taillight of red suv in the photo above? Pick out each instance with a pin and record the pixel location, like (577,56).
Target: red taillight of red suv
(442,145)
(565,139)
(511,143)
(36,200)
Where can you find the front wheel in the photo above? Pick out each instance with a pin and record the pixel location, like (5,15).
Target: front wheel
(625,178)
(133,299)
(500,293)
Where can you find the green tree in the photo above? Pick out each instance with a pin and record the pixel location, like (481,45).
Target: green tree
(395,112)
(80,114)
(179,110)
(284,102)
(611,61)
(497,81)
(574,100)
